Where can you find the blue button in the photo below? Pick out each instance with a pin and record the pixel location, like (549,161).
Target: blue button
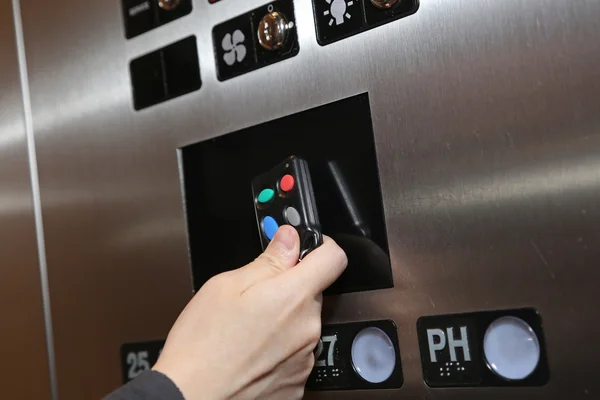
(270,226)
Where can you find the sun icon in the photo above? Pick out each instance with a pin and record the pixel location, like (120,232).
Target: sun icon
(337,10)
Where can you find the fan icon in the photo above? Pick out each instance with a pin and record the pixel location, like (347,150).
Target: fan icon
(234,47)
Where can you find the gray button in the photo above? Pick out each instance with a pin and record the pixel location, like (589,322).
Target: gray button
(292,216)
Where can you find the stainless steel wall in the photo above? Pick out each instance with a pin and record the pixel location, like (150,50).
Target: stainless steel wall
(487,121)
(24,367)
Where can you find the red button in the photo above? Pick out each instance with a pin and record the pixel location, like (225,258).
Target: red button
(287,183)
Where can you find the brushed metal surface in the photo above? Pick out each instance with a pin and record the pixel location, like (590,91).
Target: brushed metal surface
(486,116)
(24,367)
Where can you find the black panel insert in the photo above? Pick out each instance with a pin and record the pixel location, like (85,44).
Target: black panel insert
(335,368)
(165,73)
(337,141)
(455,351)
(141,16)
(137,358)
(236,45)
(339,19)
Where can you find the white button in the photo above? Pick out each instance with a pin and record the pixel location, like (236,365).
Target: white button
(292,216)
(373,355)
(511,348)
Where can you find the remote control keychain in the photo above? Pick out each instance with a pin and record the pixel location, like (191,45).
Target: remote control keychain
(284,195)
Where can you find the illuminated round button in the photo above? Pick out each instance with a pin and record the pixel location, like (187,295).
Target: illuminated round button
(287,183)
(270,226)
(292,216)
(511,348)
(373,355)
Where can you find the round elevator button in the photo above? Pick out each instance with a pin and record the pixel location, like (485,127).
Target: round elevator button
(272,31)
(373,355)
(511,348)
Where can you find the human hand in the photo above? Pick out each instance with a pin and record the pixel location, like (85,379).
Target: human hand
(250,333)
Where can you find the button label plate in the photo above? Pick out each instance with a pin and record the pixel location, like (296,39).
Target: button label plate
(452,354)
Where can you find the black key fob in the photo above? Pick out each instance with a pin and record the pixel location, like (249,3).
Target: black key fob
(284,196)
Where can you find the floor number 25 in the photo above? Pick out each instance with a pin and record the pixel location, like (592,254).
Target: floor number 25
(138,363)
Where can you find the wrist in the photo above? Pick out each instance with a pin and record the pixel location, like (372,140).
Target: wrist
(193,385)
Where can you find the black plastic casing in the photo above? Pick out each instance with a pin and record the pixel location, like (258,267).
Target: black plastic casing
(301,197)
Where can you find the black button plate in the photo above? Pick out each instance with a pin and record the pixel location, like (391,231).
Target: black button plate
(141,16)
(165,74)
(236,46)
(339,19)
(334,23)
(147,80)
(465,364)
(333,362)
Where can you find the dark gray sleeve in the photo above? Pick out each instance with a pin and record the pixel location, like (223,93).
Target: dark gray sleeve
(151,385)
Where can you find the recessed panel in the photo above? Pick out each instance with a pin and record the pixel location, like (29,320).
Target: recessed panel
(337,141)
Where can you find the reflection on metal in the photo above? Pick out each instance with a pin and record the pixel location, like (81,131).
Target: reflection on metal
(532,183)
(10,134)
(35,189)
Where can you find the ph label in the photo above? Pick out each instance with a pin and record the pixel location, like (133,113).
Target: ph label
(439,340)
(448,349)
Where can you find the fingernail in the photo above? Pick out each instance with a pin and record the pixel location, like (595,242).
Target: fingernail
(285,238)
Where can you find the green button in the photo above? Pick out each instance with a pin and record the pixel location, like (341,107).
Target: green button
(266,195)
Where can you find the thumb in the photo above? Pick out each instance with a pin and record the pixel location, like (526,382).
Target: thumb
(318,270)
(281,254)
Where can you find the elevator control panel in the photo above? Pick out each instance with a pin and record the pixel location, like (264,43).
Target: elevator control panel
(284,195)
(339,19)
(361,355)
(483,349)
(261,37)
(141,16)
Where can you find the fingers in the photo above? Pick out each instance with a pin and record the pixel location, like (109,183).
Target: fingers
(281,254)
(320,268)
